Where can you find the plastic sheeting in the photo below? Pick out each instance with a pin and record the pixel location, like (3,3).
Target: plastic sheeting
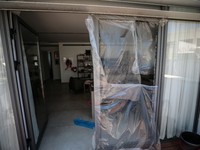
(124,52)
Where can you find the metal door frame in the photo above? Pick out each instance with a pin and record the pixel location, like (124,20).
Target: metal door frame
(17,21)
(96,9)
(14,88)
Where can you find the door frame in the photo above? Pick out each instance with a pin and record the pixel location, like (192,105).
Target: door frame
(74,7)
(113,10)
(17,21)
(15,92)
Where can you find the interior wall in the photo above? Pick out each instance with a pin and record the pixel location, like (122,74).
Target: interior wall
(55,67)
(45,65)
(70,52)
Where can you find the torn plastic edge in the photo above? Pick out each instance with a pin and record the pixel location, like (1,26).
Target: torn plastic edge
(163,22)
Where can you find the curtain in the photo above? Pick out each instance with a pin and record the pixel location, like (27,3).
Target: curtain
(181,80)
(8,134)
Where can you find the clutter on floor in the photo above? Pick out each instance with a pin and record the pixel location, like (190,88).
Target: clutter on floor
(89,102)
(82,123)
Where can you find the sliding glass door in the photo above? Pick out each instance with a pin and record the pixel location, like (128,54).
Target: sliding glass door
(32,68)
(27,50)
(125,56)
(181,78)
(124,78)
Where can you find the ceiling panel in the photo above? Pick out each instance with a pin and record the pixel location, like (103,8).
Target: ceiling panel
(52,38)
(57,27)
(55,22)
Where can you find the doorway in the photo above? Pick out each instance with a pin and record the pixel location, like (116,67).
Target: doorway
(53,94)
(116,60)
(62,104)
(28,53)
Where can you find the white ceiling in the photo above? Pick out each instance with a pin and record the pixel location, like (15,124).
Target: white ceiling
(68,27)
(57,27)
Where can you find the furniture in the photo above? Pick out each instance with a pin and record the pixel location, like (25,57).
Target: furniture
(87,83)
(76,83)
(84,65)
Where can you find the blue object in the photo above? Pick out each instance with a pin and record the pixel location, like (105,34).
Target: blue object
(82,123)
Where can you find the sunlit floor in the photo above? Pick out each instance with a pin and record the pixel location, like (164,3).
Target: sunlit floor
(63,107)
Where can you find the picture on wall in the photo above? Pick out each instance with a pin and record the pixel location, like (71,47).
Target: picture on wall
(68,62)
(56,57)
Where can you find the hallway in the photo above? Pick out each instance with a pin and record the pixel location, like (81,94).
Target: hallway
(62,108)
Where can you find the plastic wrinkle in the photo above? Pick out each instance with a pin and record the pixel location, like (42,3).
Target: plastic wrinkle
(123,51)
(163,22)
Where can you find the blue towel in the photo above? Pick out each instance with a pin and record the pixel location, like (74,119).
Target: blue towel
(82,123)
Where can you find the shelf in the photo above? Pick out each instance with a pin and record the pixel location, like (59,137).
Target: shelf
(83,62)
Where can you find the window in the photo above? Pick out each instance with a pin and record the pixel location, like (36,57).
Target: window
(181,79)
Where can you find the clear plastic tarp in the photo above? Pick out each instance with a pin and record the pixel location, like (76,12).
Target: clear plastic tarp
(124,57)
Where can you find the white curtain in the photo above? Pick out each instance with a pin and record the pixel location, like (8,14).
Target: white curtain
(182,70)
(8,134)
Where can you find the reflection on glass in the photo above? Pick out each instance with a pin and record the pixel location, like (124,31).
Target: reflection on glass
(8,134)
(124,108)
(182,71)
(33,80)
(128,56)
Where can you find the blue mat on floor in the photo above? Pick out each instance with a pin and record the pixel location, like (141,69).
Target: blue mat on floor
(82,123)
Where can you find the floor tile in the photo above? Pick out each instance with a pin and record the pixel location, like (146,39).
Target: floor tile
(63,107)
(67,138)
(62,118)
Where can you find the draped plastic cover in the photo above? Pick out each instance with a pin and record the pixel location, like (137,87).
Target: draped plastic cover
(123,51)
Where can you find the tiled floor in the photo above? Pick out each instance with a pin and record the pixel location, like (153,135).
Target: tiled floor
(63,107)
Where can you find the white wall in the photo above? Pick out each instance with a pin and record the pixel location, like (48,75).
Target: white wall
(70,52)
(55,68)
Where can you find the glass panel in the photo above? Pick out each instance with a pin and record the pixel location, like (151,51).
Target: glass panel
(126,51)
(33,77)
(181,82)
(124,69)
(8,134)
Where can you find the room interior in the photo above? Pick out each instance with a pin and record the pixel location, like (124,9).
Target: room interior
(59,33)
(61,36)
(64,36)
(69,37)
